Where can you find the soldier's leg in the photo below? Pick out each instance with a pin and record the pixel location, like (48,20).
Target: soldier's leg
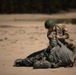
(72,47)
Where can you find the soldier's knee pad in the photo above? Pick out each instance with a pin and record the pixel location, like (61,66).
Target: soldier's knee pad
(41,64)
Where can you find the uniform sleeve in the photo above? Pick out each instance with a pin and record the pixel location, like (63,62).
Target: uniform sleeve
(50,34)
(66,36)
(64,32)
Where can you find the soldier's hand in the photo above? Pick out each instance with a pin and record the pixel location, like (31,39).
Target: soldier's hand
(58,36)
(50,36)
(65,29)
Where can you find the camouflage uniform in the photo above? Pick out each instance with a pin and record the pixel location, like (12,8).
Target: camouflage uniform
(64,36)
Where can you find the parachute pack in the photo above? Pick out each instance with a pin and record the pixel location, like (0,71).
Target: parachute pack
(50,57)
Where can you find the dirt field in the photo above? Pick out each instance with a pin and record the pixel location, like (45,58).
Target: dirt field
(21,38)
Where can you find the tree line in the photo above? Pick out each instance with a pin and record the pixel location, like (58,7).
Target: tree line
(36,6)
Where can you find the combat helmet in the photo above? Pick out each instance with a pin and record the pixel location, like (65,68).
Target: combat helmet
(49,23)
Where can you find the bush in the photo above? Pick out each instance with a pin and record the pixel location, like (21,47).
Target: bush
(73,21)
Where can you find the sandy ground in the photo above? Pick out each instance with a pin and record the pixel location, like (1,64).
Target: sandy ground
(18,39)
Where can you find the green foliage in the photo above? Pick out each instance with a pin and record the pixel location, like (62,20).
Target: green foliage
(73,21)
(36,6)
(65,20)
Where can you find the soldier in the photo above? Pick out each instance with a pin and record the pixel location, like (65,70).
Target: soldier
(60,31)
(56,54)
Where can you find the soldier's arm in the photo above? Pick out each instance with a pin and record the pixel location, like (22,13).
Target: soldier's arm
(65,34)
(51,34)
